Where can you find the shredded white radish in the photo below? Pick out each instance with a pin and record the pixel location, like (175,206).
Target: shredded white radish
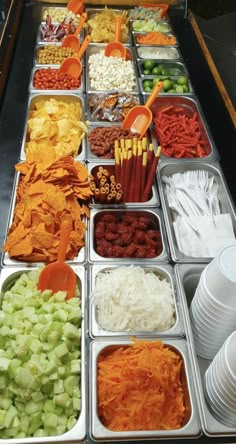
(131,299)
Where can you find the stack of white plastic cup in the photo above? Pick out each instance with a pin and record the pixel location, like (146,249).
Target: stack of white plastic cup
(220,383)
(213,308)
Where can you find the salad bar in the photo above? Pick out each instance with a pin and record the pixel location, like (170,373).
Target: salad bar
(146,210)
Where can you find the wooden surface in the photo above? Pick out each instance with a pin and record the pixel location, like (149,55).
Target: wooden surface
(212,66)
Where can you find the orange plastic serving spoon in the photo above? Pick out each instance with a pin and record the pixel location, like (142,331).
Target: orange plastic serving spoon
(59,276)
(139,117)
(72,65)
(116,49)
(72,40)
(76,6)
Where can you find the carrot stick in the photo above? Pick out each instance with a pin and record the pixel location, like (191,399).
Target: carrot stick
(144,173)
(128,172)
(151,176)
(138,175)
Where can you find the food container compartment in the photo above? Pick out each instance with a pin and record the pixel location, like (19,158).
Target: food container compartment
(157,52)
(160,23)
(43,45)
(163,272)
(40,39)
(226,205)
(60,10)
(94,120)
(67,98)
(191,426)
(163,92)
(152,202)
(94,49)
(92,157)
(190,106)
(136,43)
(91,12)
(174,68)
(34,90)
(188,276)
(8,277)
(7,261)
(155,217)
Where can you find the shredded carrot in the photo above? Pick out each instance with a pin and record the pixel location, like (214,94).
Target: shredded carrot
(139,388)
(156,38)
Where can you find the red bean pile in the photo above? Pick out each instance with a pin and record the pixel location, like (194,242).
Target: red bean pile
(127,235)
(52,78)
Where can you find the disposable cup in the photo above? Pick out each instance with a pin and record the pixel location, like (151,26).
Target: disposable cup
(221,389)
(200,313)
(230,355)
(219,400)
(203,352)
(211,304)
(224,323)
(207,340)
(220,276)
(225,372)
(216,332)
(224,378)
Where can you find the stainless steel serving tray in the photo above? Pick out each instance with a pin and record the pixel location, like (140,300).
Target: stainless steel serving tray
(39,37)
(191,106)
(35,98)
(94,121)
(93,11)
(162,92)
(154,214)
(7,261)
(154,201)
(226,204)
(161,271)
(61,8)
(160,22)
(187,277)
(91,157)
(160,50)
(33,90)
(42,45)
(94,49)
(78,433)
(191,427)
(175,68)
(136,43)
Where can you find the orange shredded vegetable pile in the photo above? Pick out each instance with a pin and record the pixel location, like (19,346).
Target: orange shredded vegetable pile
(139,388)
(156,38)
(47,194)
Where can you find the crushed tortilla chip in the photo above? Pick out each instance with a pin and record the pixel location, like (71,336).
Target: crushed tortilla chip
(54,125)
(48,194)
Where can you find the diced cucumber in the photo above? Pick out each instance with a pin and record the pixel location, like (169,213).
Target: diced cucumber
(10,415)
(71,331)
(49,420)
(39,360)
(60,296)
(58,386)
(61,350)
